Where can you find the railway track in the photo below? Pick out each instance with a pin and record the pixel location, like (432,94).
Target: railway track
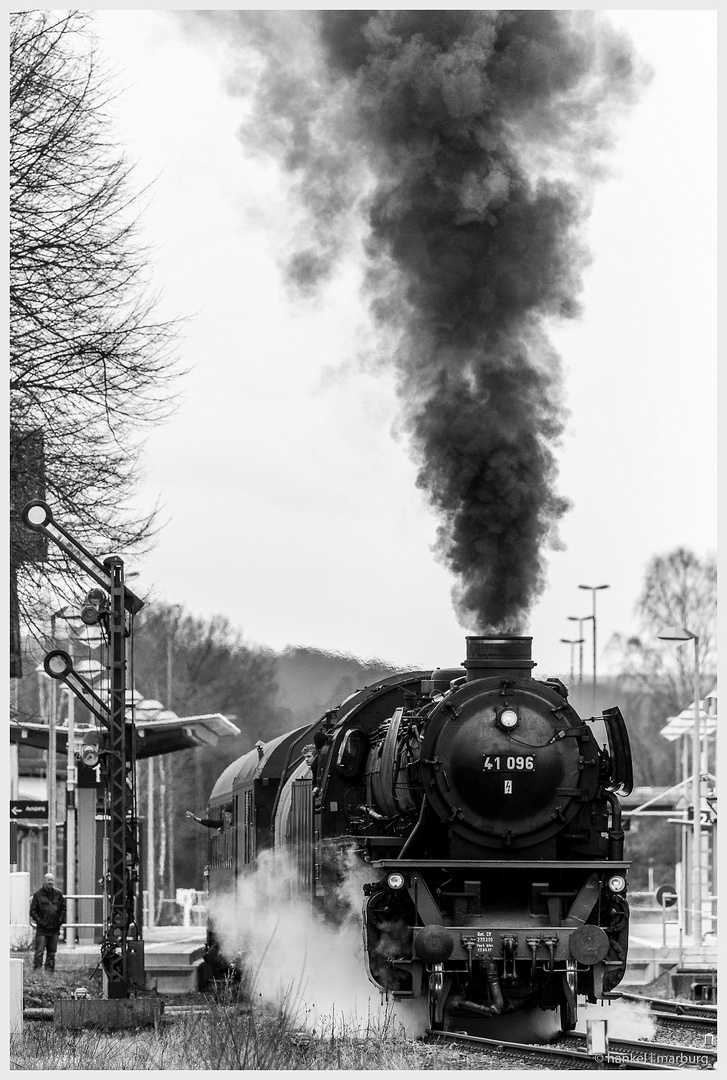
(632,1053)
(676,1010)
(570,1053)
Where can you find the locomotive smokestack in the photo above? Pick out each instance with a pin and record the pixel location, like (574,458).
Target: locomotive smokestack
(505,654)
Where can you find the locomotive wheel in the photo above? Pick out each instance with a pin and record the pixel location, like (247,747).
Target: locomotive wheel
(439,987)
(568,1003)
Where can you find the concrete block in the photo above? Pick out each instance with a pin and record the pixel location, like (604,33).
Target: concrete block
(169,955)
(107,1013)
(174,980)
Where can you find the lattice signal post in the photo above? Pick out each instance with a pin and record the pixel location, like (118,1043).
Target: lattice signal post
(122,947)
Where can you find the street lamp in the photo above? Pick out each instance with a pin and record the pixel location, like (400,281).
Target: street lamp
(572,642)
(594,589)
(679,634)
(580,619)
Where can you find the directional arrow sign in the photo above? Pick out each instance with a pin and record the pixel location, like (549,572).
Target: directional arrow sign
(28,809)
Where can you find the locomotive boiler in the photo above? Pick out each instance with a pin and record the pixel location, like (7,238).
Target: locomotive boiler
(486,813)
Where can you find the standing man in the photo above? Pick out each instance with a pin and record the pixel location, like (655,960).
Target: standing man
(48,912)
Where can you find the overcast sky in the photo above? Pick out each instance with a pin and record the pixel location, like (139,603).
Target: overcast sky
(288,504)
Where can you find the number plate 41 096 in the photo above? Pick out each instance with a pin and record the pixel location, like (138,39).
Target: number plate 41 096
(508,762)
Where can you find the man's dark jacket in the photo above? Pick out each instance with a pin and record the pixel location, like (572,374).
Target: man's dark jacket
(48,910)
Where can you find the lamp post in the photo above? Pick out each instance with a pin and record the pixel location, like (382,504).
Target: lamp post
(572,642)
(679,634)
(48,708)
(70,616)
(67,616)
(580,619)
(593,590)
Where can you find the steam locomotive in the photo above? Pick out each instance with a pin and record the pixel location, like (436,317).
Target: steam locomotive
(487,814)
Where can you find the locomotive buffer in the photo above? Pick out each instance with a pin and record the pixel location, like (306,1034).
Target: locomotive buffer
(122,947)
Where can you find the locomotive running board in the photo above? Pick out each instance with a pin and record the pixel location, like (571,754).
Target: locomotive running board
(501,864)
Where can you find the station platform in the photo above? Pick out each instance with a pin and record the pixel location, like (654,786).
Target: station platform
(172,957)
(656,948)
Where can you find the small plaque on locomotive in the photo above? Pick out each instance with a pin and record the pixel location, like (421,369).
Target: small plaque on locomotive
(484,941)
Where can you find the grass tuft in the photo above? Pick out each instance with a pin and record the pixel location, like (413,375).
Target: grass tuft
(231,1029)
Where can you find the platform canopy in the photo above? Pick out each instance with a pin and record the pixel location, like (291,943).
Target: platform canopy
(160,733)
(168,733)
(683,724)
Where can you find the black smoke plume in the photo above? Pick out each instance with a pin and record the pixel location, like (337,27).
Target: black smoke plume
(468,143)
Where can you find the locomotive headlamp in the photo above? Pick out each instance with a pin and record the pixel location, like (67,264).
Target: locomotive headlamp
(508,719)
(617,883)
(395,881)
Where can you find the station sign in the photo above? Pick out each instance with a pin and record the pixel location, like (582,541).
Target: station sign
(28,810)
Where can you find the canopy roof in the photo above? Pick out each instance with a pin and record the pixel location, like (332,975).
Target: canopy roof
(683,724)
(159,736)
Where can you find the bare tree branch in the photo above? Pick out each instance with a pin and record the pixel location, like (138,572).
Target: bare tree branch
(680,589)
(91,365)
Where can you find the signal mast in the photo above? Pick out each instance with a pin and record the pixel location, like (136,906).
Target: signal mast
(114,606)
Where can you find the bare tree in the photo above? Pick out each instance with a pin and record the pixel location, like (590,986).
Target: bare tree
(680,589)
(196,666)
(91,366)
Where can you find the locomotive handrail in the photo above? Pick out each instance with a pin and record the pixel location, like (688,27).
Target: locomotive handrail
(416,830)
(615,833)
